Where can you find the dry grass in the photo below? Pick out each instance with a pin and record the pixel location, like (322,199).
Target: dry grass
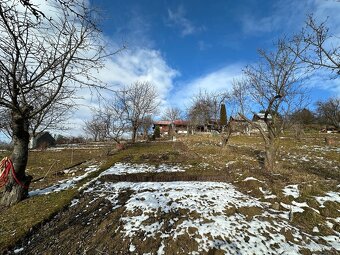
(205,161)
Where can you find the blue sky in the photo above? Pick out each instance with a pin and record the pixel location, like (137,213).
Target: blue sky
(182,46)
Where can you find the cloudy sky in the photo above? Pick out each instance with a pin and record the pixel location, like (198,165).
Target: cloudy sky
(182,46)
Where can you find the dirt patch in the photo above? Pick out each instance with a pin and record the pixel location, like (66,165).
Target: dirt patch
(307,220)
(162,177)
(250,212)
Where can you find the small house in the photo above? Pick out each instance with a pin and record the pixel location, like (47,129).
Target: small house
(259,118)
(180,126)
(240,125)
(41,141)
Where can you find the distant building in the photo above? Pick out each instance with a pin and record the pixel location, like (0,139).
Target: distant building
(258,118)
(41,141)
(240,125)
(180,126)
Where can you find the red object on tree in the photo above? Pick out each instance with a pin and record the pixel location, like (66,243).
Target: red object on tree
(6,166)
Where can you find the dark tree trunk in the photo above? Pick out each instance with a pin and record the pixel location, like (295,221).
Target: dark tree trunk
(270,155)
(226,133)
(134,134)
(15,192)
(145,134)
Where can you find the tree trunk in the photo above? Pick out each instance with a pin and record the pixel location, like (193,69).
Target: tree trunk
(270,156)
(134,134)
(226,133)
(146,134)
(15,192)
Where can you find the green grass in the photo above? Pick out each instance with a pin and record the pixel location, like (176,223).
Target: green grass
(17,220)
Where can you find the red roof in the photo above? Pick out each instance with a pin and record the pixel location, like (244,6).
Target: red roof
(181,122)
(162,122)
(168,122)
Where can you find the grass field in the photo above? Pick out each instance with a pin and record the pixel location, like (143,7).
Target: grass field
(302,195)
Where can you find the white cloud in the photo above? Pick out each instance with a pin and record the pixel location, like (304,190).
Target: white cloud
(284,14)
(139,64)
(288,16)
(126,68)
(218,80)
(322,80)
(177,18)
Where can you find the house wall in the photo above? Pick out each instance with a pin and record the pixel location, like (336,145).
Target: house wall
(44,139)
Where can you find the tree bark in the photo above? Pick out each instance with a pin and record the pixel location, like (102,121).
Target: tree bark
(15,192)
(226,133)
(134,134)
(270,154)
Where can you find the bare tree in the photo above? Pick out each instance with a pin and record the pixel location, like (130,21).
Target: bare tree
(70,5)
(39,61)
(329,111)
(135,103)
(274,85)
(146,125)
(54,117)
(205,108)
(172,114)
(96,128)
(316,47)
(117,124)
(239,95)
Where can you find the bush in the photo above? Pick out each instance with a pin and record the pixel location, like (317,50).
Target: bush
(157,132)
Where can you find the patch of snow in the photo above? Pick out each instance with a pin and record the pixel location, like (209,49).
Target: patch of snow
(18,250)
(329,224)
(330,196)
(91,169)
(230,163)
(267,194)
(64,184)
(291,190)
(333,240)
(132,248)
(201,213)
(74,202)
(304,158)
(292,208)
(252,179)
(126,168)
(316,229)
(304,204)
(161,249)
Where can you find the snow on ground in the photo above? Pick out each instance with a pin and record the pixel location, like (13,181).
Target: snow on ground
(251,179)
(320,148)
(267,194)
(313,156)
(211,213)
(64,184)
(330,196)
(291,190)
(126,168)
